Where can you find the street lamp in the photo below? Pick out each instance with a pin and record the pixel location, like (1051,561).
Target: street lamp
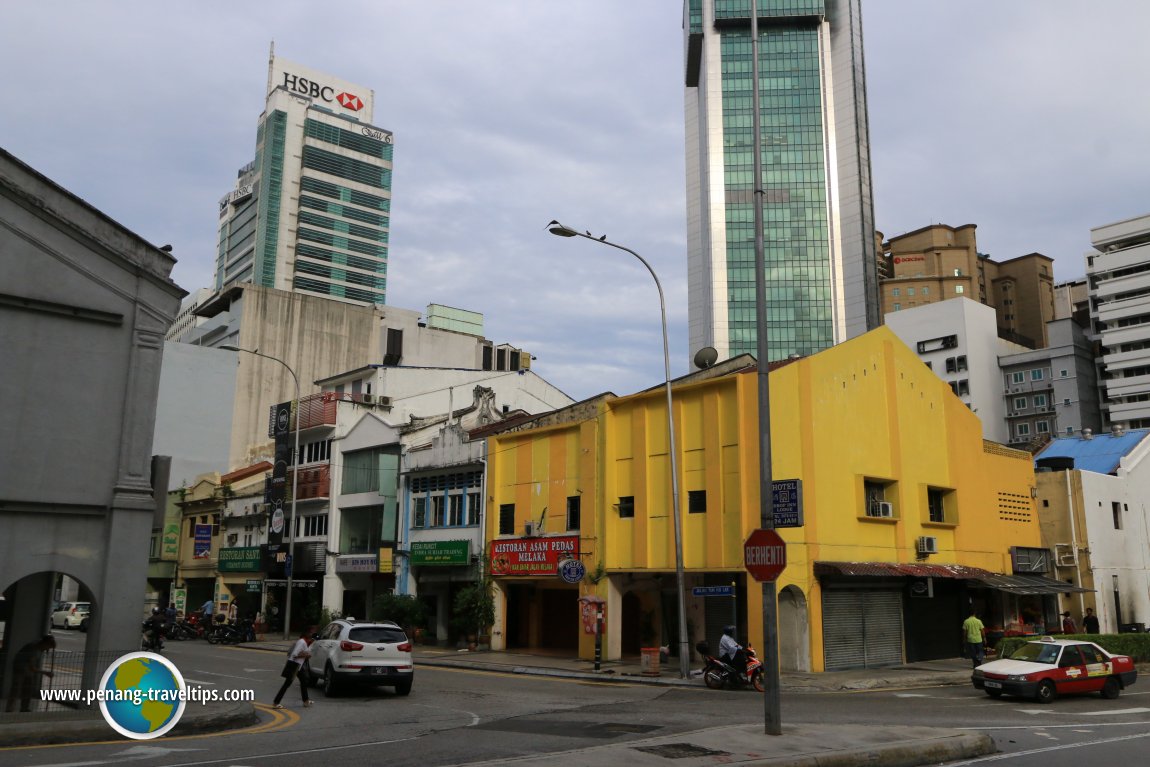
(560,230)
(294,481)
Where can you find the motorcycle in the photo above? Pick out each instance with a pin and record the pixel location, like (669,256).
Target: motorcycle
(718,674)
(229,633)
(153,637)
(182,630)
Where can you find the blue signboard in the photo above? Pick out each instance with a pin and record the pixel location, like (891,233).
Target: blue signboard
(787,502)
(713,591)
(202,545)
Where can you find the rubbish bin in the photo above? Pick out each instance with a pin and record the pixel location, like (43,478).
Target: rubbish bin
(649,661)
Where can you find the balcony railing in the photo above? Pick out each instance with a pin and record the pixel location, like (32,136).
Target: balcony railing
(314,482)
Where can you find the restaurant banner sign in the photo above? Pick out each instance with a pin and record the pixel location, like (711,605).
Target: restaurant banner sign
(440,552)
(240,559)
(532,556)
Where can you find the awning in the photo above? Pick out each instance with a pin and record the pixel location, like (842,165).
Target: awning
(975,576)
(900,570)
(1029,584)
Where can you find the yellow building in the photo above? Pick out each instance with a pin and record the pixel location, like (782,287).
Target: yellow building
(910,517)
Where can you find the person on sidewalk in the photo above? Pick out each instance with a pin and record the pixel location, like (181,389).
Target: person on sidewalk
(294,667)
(27,671)
(1068,626)
(974,638)
(1090,621)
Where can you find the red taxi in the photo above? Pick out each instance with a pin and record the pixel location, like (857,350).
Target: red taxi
(1047,668)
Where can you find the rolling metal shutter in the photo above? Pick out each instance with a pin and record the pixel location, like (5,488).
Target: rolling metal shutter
(862,629)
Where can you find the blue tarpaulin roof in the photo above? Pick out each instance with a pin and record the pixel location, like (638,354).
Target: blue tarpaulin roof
(1099,454)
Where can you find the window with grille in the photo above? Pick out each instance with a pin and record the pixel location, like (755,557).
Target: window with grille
(507,519)
(626,506)
(574,505)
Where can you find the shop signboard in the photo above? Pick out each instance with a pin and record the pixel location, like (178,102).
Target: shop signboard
(255,585)
(357,563)
(240,559)
(386,559)
(532,556)
(444,553)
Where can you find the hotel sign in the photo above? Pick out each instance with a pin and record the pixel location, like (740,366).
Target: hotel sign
(532,556)
(446,553)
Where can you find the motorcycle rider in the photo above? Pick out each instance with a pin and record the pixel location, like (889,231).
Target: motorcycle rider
(154,630)
(731,652)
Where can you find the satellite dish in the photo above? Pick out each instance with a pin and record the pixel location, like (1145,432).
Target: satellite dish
(706,357)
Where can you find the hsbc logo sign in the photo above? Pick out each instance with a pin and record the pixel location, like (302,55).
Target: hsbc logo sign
(312,89)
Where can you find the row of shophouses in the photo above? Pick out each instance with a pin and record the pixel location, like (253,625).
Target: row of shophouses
(909,516)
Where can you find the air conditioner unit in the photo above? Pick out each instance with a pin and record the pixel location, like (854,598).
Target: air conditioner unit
(528,529)
(927,544)
(367,399)
(382,400)
(881,509)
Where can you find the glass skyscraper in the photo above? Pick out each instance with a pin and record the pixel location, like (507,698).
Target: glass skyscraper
(311,213)
(819,234)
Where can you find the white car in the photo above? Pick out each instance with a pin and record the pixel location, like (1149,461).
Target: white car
(70,615)
(350,652)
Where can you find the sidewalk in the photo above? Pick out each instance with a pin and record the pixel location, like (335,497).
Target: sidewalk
(800,745)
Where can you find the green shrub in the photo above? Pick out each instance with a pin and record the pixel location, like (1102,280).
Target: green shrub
(1137,646)
(473,610)
(403,609)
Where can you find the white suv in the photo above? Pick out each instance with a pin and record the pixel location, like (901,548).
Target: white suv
(352,652)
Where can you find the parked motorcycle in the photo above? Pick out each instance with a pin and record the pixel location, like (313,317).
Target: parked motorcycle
(229,633)
(718,674)
(153,636)
(182,630)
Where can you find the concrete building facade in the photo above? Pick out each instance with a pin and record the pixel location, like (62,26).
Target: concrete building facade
(84,307)
(1118,277)
(1092,492)
(940,262)
(910,517)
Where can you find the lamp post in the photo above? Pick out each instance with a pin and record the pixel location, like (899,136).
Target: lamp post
(294,482)
(560,230)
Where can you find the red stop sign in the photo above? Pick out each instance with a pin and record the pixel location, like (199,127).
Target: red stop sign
(764,555)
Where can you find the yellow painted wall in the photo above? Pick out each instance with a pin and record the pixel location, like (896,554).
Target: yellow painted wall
(868,408)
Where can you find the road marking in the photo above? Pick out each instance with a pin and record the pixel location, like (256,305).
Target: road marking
(281,719)
(280,754)
(1047,749)
(474,716)
(229,676)
(200,681)
(135,753)
(1116,712)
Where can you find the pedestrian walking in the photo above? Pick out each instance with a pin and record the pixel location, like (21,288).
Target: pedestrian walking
(296,667)
(1068,626)
(206,613)
(974,638)
(27,671)
(1090,621)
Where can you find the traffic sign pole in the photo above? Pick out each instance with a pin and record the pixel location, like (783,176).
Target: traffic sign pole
(772,724)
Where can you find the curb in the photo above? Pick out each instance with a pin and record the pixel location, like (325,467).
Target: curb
(945,749)
(46,733)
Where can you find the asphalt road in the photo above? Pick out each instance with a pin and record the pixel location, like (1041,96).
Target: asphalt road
(456,717)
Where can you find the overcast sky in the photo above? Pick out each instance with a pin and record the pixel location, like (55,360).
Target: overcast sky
(1028,118)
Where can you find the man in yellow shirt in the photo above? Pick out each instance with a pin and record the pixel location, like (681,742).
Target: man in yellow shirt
(974,638)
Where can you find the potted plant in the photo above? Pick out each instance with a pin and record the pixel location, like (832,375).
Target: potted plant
(473,610)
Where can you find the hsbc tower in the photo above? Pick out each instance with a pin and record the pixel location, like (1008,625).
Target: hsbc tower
(310,214)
